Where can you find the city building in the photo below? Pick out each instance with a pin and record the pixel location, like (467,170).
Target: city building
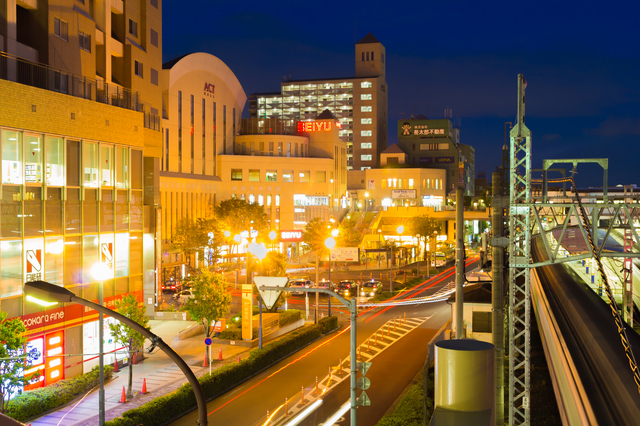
(393,187)
(210,154)
(80,148)
(481,186)
(359,103)
(435,144)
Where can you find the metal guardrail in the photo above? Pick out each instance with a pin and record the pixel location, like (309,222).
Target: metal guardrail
(45,77)
(573,403)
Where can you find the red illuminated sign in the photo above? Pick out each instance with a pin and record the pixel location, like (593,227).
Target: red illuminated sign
(290,236)
(314,126)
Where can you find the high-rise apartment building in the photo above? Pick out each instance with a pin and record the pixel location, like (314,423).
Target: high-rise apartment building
(80,148)
(359,103)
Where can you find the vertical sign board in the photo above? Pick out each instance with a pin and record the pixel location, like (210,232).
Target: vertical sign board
(247,312)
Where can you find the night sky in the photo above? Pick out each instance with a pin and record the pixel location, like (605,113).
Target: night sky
(581,61)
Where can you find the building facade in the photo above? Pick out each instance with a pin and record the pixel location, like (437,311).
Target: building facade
(359,103)
(210,155)
(80,146)
(435,144)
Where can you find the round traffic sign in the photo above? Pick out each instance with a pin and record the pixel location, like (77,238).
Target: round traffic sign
(208,341)
(364,383)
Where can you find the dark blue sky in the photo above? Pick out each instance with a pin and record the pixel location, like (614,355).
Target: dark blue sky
(581,61)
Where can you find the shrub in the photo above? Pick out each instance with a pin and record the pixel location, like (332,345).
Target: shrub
(414,271)
(328,324)
(410,410)
(222,379)
(290,316)
(235,333)
(33,403)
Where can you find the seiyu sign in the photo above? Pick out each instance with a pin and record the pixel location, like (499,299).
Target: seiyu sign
(290,236)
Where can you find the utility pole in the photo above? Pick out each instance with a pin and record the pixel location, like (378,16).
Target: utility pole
(497,293)
(459,261)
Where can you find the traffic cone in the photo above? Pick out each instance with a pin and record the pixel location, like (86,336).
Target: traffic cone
(123,398)
(144,385)
(204,363)
(220,355)
(135,361)
(115,367)
(238,359)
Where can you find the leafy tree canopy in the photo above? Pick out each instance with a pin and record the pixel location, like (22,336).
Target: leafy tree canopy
(315,233)
(235,216)
(348,236)
(211,301)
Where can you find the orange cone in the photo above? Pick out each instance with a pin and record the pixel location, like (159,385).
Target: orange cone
(144,385)
(238,359)
(115,367)
(123,398)
(204,363)
(134,359)
(220,355)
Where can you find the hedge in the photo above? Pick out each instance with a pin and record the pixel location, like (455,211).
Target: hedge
(328,324)
(410,410)
(33,403)
(290,316)
(221,380)
(285,318)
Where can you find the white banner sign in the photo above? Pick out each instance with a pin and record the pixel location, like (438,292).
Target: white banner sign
(403,193)
(345,254)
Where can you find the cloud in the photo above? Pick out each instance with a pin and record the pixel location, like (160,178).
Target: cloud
(617,126)
(551,136)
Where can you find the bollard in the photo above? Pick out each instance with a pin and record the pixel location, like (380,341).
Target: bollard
(267,423)
(376,343)
(316,384)
(302,393)
(340,367)
(286,407)
(330,377)
(405,318)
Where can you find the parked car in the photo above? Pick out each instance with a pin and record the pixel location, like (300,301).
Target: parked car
(370,288)
(346,288)
(183,296)
(298,284)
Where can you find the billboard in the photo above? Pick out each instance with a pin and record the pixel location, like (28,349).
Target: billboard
(424,128)
(403,193)
(290,236)
(345,254)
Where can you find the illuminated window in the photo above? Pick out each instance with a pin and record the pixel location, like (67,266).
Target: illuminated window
(366,133)
(272,175)
(11,158)
(366,84)
(410,183)
(261,199)
(236,174)
(366,157)
(395,183)
(287,175)
(304,175)
(33,159)
(367,145)
(366,108)
(268,200)
(252,199)
(242,197)
(254,175)
(366,120)
(277,200)
(366,96)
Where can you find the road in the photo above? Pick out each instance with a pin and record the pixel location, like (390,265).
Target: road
(392,370)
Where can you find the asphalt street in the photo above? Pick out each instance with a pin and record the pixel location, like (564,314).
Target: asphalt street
(392,369)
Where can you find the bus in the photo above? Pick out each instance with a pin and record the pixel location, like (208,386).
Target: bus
(443,256)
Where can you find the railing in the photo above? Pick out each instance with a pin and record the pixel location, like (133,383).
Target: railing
(45,77)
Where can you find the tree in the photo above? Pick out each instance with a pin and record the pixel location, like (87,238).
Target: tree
(126,336)
(210,302)
(315,233)
(189,238)
(426,228)
(348,236)
(236,216)
(274,265)
(13,359)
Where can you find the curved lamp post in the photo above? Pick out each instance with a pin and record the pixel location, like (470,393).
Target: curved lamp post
(45,294)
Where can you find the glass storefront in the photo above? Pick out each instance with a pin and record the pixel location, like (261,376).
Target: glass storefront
(66,205)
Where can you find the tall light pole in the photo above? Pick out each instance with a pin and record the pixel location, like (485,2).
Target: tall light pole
(101,271)
(399,230)
(44,293)
(272,236)
(366,201)
(418,252)
(330,243)
(259,251)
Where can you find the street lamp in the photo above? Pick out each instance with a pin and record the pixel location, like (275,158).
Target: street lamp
(259,251)
(366,201)
(101,271)
(330,243)
(44,293)
(399,230)
(418,253)
(272,236)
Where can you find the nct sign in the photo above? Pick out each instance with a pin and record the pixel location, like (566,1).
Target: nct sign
(314,126)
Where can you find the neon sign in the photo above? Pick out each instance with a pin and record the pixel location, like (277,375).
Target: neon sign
(314,126)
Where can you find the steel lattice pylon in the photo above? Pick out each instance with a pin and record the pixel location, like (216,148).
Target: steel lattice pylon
(519,265)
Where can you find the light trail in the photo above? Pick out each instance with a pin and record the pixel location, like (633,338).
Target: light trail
(305,413)
(336,416)
(281,369)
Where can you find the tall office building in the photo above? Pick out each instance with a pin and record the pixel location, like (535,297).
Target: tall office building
(359,103)
(80,146)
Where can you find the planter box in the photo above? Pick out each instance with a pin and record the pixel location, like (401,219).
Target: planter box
(255,342)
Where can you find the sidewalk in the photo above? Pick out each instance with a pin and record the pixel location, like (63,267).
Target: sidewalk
(161,374)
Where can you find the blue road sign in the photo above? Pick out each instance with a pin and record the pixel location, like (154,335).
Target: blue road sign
(208,341)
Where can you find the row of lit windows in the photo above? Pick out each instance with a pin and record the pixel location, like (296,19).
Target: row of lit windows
(251,198)
(287,175)
(408,183)
(34,158)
